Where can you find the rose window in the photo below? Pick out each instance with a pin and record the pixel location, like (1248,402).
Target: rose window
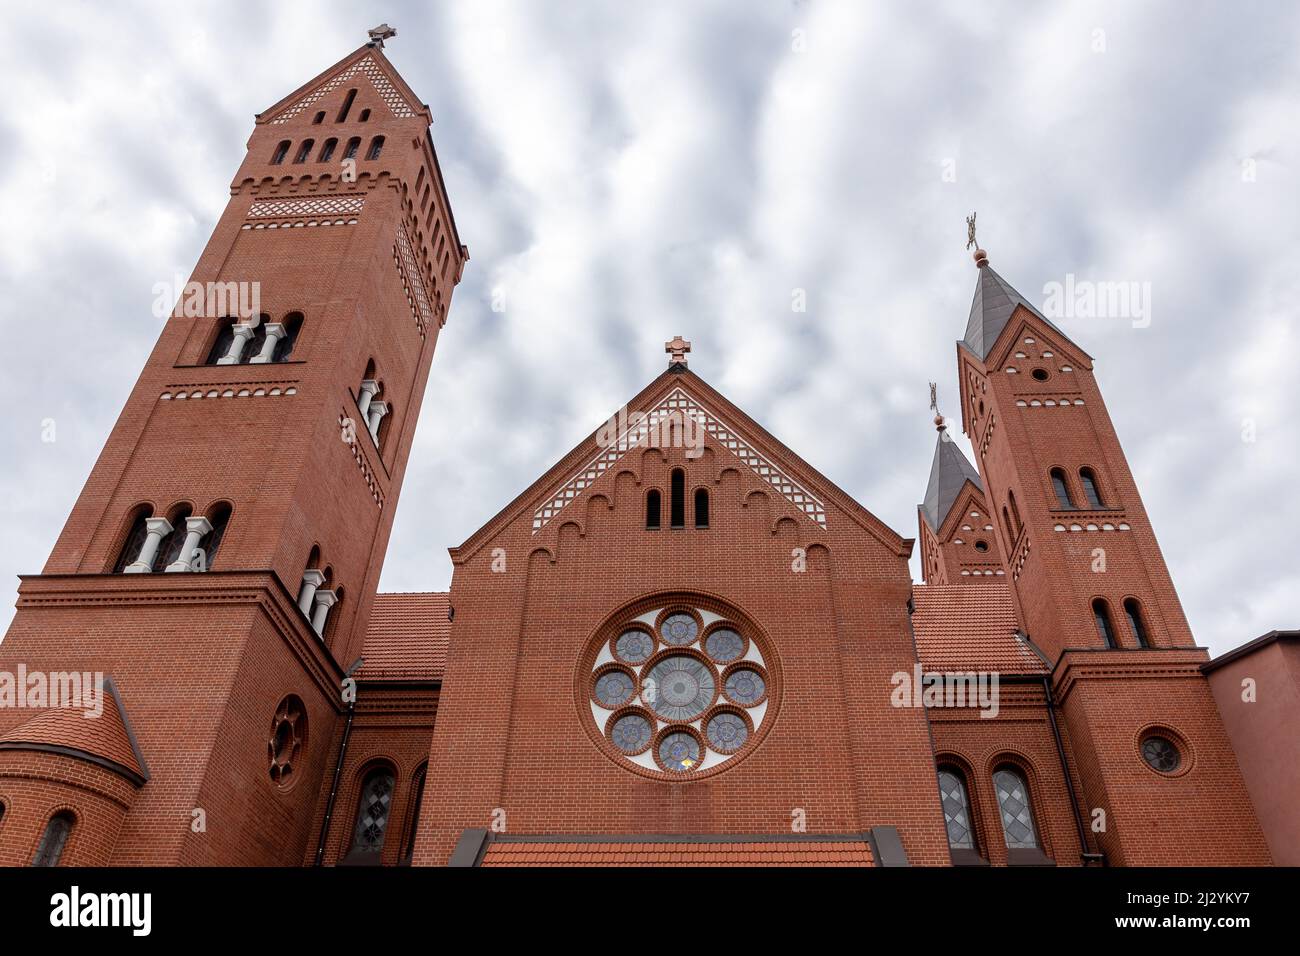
(677,688)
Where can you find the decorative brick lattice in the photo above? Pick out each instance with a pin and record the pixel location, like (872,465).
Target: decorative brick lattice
(408,270)
(678,403)
(367,473)
(366,67)
(306,207)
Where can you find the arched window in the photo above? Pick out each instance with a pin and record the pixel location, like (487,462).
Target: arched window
(327,150)
(304,150)
(1101,611)
(373,812)
(2,811)
(956,809)
(318,118)
(365,115)
(376,147)
(225,337)
(1133,611)
(354,144)
(1013,808)
(417,798)
(292,326)
(218,517)
(677,517)
(1015,512)
(701,508)
(54,839)
(347,105)
(252,343)
(281,151)
(170,548)
(135,539)
(1010,530)
(1063,498)
(652,510)
(1090,490)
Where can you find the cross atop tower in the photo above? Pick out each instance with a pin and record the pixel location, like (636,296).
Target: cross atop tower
(381,33)
(678,348)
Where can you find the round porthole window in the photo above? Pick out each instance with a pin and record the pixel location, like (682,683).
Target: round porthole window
(677,686)
(1039,374)
(1161,754)
(288,737)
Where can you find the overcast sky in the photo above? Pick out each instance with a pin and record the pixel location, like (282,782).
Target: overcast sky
(627,172)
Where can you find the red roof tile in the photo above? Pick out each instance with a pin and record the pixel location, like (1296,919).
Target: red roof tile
(693,854)
(970,628)
(407,637)
(105,736)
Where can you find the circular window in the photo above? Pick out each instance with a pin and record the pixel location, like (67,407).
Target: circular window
(1161,754)
(676,687)
(1039,374)
(288,736)
(981,546)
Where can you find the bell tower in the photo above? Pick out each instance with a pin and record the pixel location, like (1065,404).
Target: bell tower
(222,558)
(1091,589)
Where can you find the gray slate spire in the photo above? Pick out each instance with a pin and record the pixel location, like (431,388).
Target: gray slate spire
(948,473)
(991,309)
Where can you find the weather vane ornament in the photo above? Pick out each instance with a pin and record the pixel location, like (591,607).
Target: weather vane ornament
(970,231)
(934,407)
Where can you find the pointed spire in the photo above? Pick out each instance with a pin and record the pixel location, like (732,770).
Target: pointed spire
(949,472)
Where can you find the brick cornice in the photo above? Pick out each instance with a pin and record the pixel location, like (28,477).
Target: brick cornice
(1087,664)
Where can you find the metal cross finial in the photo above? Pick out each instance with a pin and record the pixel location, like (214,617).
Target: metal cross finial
(381,33)
(678,348)
(970,231)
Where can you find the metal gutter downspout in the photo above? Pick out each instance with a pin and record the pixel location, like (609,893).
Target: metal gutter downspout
(338,769)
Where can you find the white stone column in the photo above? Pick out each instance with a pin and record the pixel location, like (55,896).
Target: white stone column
(311,580)
(195,529)
(378,409)
(369,389)
(243,333)
(274,333)
(159,528)
(324,600)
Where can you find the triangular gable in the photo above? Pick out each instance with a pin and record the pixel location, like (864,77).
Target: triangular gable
(365,62)
(678,404)
(1048,337)
(801,485)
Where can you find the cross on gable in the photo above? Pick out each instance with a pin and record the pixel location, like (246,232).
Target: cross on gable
(678,348)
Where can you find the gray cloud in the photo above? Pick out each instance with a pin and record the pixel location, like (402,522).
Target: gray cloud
(623,175)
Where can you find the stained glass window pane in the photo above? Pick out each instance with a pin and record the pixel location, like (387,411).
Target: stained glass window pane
(956,811)
(614,688)
(53,840)
(372,814)
(1161,754)
(631,733)
(1013,802)
(635,647)
(679,688)
(745,686)
(679,751)
(724,645)
(727,733)
(679,629)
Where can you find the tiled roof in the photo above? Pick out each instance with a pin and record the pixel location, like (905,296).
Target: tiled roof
(106,736)
(949,472)
(810,852)
(970,627)
(407,637)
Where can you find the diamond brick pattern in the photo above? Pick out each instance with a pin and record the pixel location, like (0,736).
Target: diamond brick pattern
(366,67)
(306,207)
(679,403)
(408,270)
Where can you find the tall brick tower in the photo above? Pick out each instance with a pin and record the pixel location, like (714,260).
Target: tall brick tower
(1092,591)
(220,563)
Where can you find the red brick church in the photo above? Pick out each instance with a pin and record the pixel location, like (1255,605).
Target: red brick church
(679,645)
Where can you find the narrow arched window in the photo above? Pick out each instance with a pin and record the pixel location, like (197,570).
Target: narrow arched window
(1090,490)
(354,144)
(1101,611)
(373,812)
(417,799)
(292,326)
(376,147)
(53,840)
(1010,531)
(364,117)
(225,338)
(135,539)
(218,517)
(956,809)
(327,150)
(281,151)
(170,548)
(1063,499)
(701,508)
(318,118)
(1133,611)
(347,105)
(652,510)
(1013,808)
(678,499)
(1015,512)
(304,150)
